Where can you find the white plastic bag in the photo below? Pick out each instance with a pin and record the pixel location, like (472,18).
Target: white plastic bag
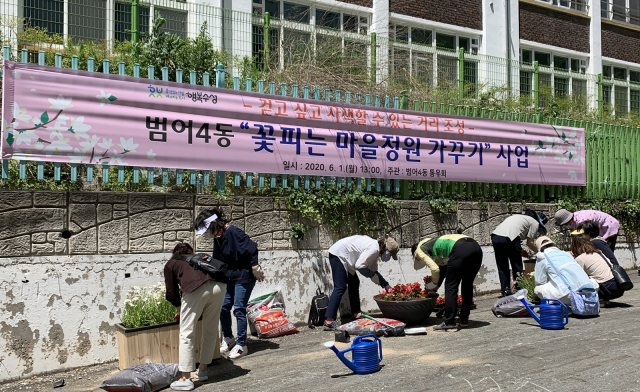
(511,306)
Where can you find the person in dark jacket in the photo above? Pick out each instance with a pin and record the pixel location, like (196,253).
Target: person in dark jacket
(201,296)
(234,247)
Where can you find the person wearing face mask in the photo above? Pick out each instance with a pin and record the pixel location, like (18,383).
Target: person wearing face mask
(234,247)
(456,259)
(358,253)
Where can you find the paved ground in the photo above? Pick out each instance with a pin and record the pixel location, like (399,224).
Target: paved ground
(492,355)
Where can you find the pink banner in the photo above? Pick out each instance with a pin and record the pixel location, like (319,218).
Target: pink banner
(62,115)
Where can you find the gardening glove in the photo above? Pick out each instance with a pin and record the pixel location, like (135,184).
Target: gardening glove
(258,273)
(388,288)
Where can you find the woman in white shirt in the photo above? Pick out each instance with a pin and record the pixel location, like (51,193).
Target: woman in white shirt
(351,254)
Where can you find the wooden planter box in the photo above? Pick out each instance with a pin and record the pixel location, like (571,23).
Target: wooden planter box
(155,344)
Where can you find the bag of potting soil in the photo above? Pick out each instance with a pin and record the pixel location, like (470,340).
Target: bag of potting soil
(267,318)
(149,377)
(366,326)
(511,306)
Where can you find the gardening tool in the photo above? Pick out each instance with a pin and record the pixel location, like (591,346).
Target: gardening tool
(553,313)
(365,354)
(392,330)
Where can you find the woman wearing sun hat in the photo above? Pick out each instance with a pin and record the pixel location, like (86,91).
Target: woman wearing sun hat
(609,225)
(459,257)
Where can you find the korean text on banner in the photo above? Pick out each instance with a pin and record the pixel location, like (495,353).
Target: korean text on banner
(63,115)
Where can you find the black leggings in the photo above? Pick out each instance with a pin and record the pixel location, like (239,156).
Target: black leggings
(507,252)
(464,263)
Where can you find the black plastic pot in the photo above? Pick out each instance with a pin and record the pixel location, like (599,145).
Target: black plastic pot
(409,312)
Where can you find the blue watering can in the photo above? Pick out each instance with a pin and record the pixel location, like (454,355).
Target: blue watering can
(553,313)
(365,354)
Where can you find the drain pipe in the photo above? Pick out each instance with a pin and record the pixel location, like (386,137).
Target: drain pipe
(508,12)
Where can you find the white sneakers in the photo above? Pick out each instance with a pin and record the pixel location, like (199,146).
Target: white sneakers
(186,385)
(226,345)
(238,351)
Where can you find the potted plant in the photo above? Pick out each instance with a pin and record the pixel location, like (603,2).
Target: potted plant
(148,331)
(409,303)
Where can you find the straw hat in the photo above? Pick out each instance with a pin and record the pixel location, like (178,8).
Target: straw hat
(392,247)
(541,241)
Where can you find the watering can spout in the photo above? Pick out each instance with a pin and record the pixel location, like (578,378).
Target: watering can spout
(340,355)
(522,296)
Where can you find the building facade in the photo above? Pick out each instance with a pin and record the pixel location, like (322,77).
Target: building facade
(571,40)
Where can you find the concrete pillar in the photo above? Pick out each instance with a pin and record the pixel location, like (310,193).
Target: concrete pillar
(380,26)
(501,25)
(595,54)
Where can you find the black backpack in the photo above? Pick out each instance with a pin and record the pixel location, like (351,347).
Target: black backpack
(319,305)
(203,262)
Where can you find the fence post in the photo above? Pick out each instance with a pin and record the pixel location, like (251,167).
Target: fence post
(134,20)
(404,184)
(536,90)
(461,74)
(373,57)
(266,38)
(599,97)
(220,175)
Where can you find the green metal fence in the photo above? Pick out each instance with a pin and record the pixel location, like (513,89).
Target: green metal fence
(612,151)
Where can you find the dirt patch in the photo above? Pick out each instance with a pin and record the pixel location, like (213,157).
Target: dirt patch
(20,341)
(52,299)
(56,336)
(15,308)
(84,343)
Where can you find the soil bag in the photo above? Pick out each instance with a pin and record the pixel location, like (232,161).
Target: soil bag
(365,326)
(511,306)
(149,377)
(267,318)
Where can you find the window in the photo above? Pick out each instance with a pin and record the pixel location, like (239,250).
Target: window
(635,101)
(45,14)
(419,36)
(470,78)
(606,71)
(272,7)
(634,12)
(606,95)
(87,20)
(296,12)
(402,33)
(328,19)
(464,43)
(560,62)
(619,10)
(297,48)
(634,76)
(561,86)
(621,99)
(123,21)
(543,59)
(619,73)
(526,82)
(579,90)
(175,22)
(349,23)
(575,65)
(445,41)
(527,55)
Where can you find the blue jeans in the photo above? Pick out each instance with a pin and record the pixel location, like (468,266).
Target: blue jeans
(342,281)
(237,297)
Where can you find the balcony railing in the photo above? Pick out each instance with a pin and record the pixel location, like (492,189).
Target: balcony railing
(576,5)
(618,11)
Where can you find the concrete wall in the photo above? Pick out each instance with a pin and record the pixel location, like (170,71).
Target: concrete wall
(60,297)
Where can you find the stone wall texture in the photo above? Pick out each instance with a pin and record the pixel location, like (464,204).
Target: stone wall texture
(464,13)
(546,26)
(620,43)
(60,297)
